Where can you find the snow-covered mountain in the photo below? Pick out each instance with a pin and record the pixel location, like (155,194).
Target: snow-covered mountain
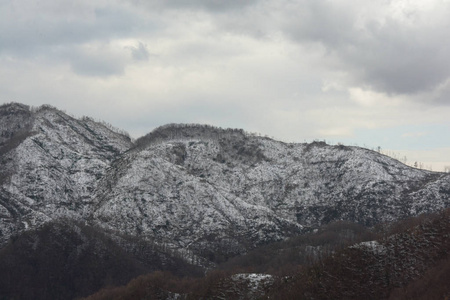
(205,192)
(50,165)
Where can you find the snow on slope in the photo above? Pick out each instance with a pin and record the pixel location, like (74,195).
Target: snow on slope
(200,188)
(55,168)
(205,191)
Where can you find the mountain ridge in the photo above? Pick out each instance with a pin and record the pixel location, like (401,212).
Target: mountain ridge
(228,189)
(184,195)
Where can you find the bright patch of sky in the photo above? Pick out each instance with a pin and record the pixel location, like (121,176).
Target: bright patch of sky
(374,73)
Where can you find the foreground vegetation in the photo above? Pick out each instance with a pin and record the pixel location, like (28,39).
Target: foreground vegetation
(408,260)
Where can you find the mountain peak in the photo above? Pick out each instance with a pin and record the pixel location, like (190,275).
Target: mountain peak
(186,131)
(13,108)
(15,122)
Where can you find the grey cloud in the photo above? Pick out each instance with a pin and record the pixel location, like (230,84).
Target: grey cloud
(140,53)
(387,56)
(31,32)
(384,55)
(96,64)
(216,6)
(316,21)
(441,94)
(408,71)
(56,32)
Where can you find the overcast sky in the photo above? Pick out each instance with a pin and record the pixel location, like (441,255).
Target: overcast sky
(371,73)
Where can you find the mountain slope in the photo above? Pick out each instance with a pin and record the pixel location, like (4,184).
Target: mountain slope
(409,260)
(50,165)
(231,191)
(205,192)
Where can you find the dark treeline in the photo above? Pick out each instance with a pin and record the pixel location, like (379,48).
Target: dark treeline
(65,259)
(404,256)
(409,261)
(187,131)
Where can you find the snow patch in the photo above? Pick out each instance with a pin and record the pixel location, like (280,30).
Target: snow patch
(371,246)
(255,281)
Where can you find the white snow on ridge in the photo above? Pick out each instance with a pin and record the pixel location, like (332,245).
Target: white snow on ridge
(372,246)
(255,281)
(203,187)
